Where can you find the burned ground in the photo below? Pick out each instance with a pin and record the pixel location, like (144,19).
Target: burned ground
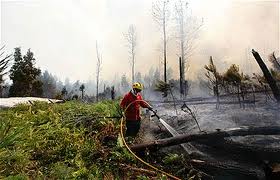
(246,157)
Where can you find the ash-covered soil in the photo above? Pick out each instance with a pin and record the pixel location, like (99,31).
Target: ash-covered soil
(229,115)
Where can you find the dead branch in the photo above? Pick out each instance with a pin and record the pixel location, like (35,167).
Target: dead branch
(141,170)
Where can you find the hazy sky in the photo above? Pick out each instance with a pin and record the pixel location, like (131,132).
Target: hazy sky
(63,33)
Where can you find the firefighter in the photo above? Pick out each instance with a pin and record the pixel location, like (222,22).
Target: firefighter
(132,113)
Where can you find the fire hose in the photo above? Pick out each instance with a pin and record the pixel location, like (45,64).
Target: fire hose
(138,158)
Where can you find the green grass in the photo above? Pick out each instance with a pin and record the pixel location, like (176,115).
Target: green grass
(60,141)
(67,141)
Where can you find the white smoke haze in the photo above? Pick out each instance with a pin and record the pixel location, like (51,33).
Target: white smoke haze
(245,25)
(62,35)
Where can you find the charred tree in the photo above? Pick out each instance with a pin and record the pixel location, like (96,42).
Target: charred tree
(98,70)
(181,77)
(160,12)
(271,81)
(188,27)
(131,38)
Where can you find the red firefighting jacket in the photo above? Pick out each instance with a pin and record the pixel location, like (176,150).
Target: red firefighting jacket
(133,111)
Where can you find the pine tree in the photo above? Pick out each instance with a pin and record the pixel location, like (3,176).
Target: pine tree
(64,92)
(24,75)
(214,78)
(124,83)
(49,85)
(82,89)
(232,81)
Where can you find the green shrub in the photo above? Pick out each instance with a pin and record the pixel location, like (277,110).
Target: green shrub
(58,141)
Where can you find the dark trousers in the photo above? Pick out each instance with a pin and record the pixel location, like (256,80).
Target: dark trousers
(132,128)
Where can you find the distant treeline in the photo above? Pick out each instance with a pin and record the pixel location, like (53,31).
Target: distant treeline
(27,80)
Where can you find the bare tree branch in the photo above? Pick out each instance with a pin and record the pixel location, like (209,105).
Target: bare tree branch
(160,14)
(188,28)
(98,70)
(131,38)
(274,61)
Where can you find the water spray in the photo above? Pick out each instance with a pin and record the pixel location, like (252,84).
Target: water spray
(167,126)
(172,131)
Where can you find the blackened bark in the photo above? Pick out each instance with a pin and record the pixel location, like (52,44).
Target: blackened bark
(271,81)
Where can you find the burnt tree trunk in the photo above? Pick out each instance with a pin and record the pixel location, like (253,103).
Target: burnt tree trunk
(184,138)
(271,81)
(181,78)
(164,41)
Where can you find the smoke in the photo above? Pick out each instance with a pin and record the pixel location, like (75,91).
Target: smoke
(62,35)
(245,25)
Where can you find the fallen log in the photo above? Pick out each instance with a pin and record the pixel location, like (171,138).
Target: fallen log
(184,138)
